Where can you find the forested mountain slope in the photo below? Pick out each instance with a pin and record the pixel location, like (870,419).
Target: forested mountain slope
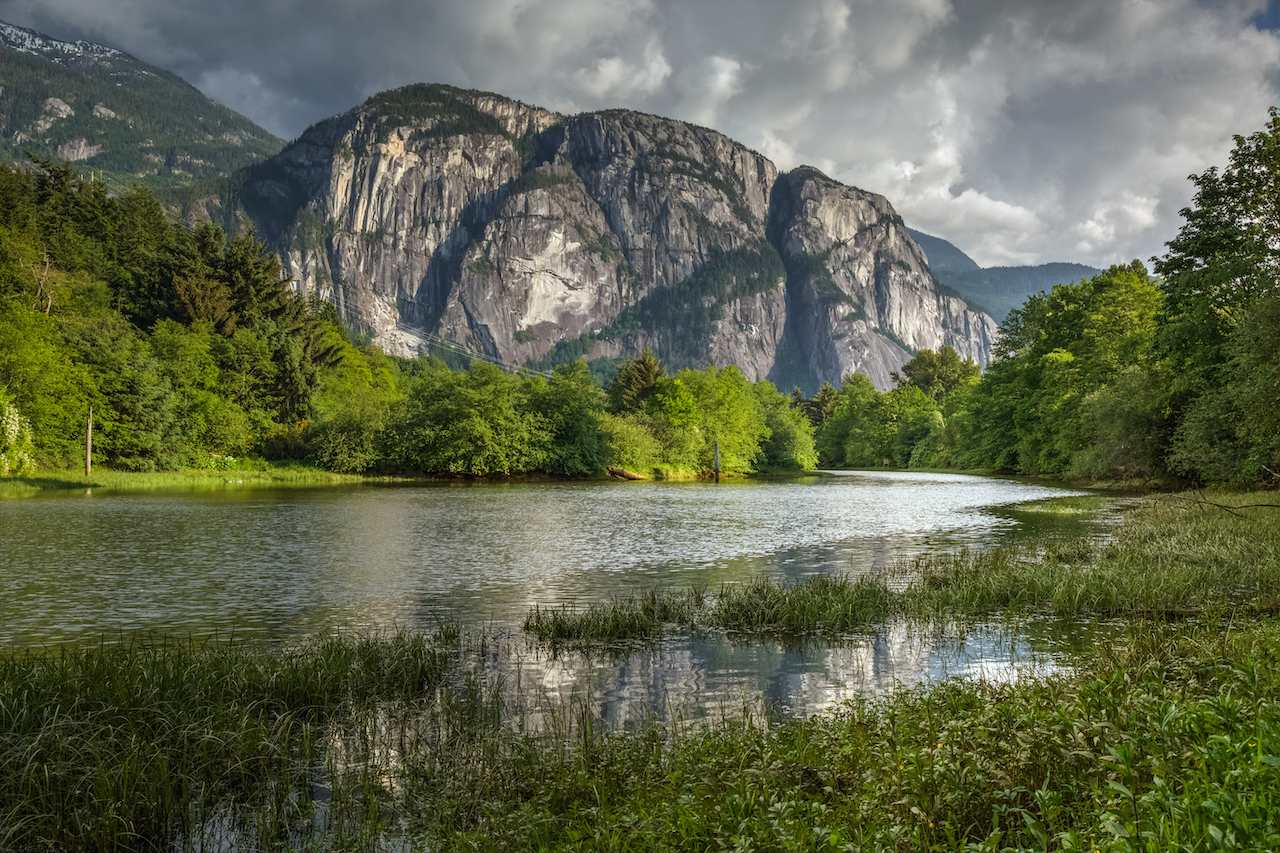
(996,290)
(116,116)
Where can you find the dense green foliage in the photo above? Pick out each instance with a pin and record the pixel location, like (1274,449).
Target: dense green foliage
(188,346)
(164,131)
(193,352)
(676,422)
(1123,375)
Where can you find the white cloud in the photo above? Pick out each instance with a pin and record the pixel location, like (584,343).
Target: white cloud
(707,87)
(613,76)
(1019,131)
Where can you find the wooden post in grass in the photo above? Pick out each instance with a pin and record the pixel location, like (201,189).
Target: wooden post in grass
(716,463)
(88,445)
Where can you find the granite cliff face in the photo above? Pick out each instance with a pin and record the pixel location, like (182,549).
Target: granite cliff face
(435,218)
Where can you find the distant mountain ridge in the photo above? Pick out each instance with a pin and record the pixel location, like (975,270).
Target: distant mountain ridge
(437,219)
(996,290)
(116,115)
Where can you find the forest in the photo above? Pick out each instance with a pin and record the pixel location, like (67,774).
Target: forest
(191,351)
(1126,376)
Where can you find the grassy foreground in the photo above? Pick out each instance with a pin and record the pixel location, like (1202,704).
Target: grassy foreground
(1166,740)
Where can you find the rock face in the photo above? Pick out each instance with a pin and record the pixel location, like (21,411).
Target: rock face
(860,291)
(438,219)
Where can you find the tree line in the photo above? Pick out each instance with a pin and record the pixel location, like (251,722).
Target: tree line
(193,352)
(1124,375)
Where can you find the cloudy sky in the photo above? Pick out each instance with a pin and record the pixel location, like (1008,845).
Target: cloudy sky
(1024,131)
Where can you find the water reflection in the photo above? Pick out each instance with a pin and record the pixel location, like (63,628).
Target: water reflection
(276,563)
(690,677)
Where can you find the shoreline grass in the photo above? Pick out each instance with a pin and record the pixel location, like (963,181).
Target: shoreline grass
(1171,557)
(288,474)
(1167,738)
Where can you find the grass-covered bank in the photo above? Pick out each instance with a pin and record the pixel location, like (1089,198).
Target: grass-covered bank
(133,745)
(1167,740)
(289,474)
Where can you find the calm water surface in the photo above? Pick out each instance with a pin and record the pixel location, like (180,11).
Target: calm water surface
(280,563)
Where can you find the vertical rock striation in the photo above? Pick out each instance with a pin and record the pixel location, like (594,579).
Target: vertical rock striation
(436,217)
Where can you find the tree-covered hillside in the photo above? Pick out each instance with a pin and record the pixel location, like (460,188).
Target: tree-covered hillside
(116,116)
(996,290)
(190,350)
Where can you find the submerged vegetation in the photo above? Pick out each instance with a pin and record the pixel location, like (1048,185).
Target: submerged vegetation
(1168,737)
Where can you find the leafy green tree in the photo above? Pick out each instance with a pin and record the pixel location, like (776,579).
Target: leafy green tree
(47,385)
(632,444)
(729,414)
(821,407)
(468,423)
(1127,426)
(790,442)
(675,420)
(1231,433)
(1026,413)
(938,374)
(1221,279)
(16,446)
(209,425)
(571,405)
(857,398)
(134,406)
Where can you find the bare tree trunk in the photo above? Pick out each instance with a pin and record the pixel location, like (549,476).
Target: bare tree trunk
(88,445)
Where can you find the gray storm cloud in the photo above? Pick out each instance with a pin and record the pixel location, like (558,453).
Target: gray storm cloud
(1022,132)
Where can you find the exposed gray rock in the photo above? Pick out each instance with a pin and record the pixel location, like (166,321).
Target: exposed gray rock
(52,110)
(433,216)
(860,294)
(77,149)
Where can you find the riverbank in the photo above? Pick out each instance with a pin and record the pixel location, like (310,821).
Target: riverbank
(1166,738)
(296,474)
(286,474)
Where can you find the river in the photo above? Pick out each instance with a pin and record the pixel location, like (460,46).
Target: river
(272,564)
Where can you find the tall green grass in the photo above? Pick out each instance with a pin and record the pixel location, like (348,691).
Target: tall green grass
(636,618)
(1169,740)
(128,746)
(1171,557)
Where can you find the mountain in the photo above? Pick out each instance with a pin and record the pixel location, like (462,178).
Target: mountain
(438,219)
(997,290)
(944,259)
(116,115)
